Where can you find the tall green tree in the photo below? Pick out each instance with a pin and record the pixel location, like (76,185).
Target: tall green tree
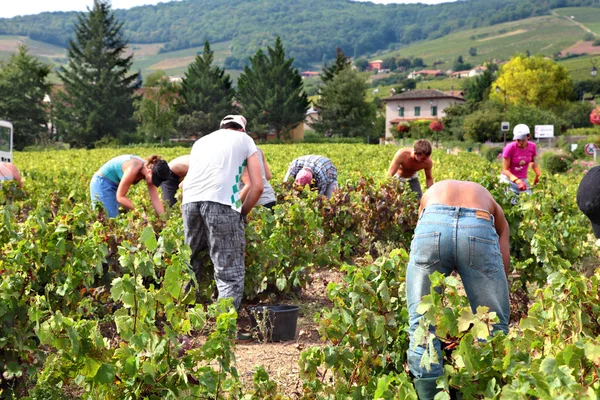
(272,92)
(206,95)
(23,85)
(99,91)
(156,109)
(340,63)
(477,89)
(343,108)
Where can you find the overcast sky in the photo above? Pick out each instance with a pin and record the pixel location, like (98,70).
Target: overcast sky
(11,8)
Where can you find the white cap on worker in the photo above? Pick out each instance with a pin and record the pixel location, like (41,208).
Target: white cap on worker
(238,119)
(520,132)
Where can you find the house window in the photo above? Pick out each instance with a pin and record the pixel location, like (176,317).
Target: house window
(417,111)
(400,111)
(433,111)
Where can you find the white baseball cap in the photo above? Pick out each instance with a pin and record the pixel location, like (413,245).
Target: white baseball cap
(520,132)
(238,119)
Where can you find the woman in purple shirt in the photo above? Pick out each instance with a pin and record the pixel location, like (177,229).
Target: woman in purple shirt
(516,158)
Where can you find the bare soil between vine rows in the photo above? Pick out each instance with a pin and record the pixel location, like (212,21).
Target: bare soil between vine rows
(280,359)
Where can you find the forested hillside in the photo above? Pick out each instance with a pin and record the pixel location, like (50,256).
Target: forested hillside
(310,29)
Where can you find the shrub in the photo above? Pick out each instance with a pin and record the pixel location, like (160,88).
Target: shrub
(556,163)
(483,125)
(596,42)
(589,36)
(491,153)
(582,132)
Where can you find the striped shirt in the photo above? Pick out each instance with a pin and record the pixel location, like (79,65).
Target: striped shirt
(324,172)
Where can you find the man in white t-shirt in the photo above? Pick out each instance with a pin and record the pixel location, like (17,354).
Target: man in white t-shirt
(212,210)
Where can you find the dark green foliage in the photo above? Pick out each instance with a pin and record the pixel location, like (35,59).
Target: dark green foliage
(344,110)
(98,90)
(361,64)
(272,93)
(531,116)
(491,153)
(589,36)
(483,125)
(556,163)
(23,84)
(576,114)
(586,87)
(460,65)
(206,95)
(156,109)
(309,28)
(341,62)
(477,89)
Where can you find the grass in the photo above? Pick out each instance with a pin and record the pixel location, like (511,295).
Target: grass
(148,62)
(544,35)
(580,67)
(588,16)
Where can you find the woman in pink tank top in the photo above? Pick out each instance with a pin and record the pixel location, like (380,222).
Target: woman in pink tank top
(516,158)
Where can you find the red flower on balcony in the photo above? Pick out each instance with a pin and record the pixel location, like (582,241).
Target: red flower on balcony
(436,126)
(595,116)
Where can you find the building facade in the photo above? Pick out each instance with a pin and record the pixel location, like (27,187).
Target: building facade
(417,105)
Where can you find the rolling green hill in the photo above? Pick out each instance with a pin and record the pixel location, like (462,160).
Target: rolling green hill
(48,53)
(146,57)
(589,17)
(310,29)
(545,35)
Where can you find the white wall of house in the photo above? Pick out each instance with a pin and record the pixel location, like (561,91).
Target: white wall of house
(392,111)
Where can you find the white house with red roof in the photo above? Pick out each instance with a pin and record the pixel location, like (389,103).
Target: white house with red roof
(417,105)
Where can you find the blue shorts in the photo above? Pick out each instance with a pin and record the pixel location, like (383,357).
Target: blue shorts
(104,191)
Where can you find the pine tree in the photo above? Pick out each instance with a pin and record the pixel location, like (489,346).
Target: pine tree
(206,95)
(23,85)
(99,92)
(340,63)
(272,92)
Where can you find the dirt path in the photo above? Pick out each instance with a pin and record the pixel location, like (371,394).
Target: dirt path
(280,360)
(582,26)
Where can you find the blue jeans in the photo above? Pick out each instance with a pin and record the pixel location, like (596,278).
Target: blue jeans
(514,187)
(104,191)
(462,239)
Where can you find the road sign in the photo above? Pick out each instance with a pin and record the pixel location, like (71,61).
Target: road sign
(505,126)
(574,147)
(544,131)
(590,149)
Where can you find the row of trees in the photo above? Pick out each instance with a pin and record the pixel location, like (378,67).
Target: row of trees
(100,98)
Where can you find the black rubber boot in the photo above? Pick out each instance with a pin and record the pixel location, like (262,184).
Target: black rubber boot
(426,388)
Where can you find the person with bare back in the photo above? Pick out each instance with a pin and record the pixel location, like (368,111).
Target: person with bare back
(10,172)
(408,162)
(461,228)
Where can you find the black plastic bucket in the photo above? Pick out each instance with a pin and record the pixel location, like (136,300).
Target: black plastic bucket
(274,323)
